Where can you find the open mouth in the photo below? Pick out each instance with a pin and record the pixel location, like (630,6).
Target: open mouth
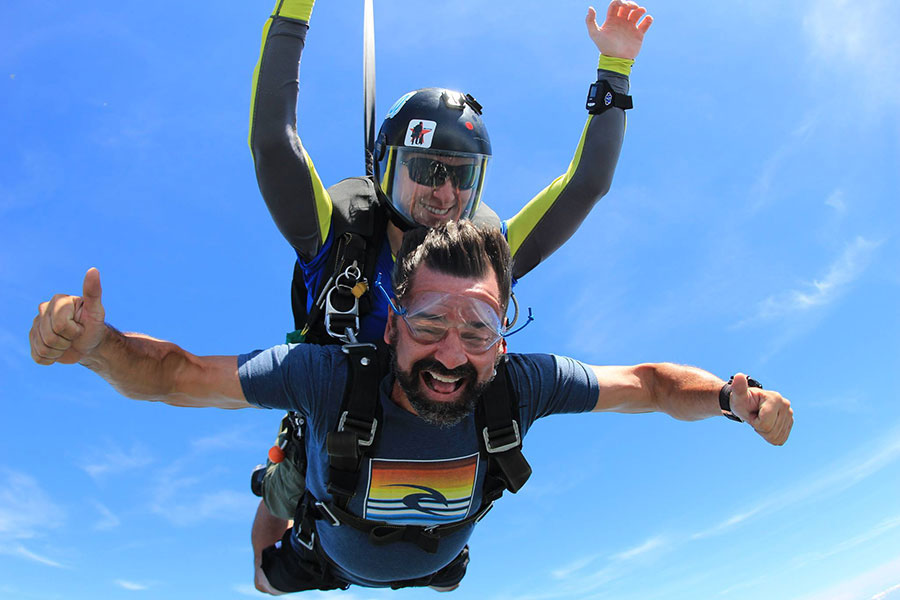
(442,384)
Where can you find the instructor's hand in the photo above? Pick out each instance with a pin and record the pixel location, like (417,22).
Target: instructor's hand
(767,411)
(621,35)
(68,328)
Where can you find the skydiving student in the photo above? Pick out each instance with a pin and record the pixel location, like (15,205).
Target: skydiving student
(430,159)
(408,458)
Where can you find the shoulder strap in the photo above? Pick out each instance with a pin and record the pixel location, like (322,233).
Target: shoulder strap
(358,230)
(358,423)
(500,436)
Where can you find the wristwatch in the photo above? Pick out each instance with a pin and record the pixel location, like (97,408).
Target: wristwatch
(725,397)
(601,97)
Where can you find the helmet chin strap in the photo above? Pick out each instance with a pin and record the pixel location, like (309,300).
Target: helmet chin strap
(398,221)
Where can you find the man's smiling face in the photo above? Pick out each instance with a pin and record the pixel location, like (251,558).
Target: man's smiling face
(431,205)
(442,381)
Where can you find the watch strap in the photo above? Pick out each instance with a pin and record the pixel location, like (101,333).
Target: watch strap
(725,397)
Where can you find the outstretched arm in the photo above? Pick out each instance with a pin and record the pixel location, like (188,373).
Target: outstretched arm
(71,329)
(690,394)
(553,216)
(294,194)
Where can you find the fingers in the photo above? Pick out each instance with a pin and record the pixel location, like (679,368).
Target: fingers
(776,418)
(635,14)
(644,25)
(54,328)
(625,9)
(612,11)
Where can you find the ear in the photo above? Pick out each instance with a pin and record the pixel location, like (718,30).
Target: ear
(389,328)
(502,348)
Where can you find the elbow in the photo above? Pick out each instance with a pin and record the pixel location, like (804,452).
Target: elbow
(267,144)
(652,384)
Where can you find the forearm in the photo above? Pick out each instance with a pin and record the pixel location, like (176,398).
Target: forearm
(554,215)
(290,186)
(144,368)
(685,393)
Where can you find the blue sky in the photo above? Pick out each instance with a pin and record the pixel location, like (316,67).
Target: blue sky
(752,225)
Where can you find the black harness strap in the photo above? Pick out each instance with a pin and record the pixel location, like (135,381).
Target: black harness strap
(500,441)
(358,422)
(499,429)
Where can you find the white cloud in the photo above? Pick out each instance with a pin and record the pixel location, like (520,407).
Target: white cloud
(107,519)
(888,593)
(25,509)
(836,201)
(836,478)
(651,544)
(880,582)
(116,460)
(573,567)
(846,269)
(858,44)
(234,438)
(23,552)
(130,585)
(878,530)
(215,505)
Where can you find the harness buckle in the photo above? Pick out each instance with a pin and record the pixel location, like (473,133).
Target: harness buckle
(306,544)
(503,447)
(338,320)
(335,522)
(359,425)
(484,512)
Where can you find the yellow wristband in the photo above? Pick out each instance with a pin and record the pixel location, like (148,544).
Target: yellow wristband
(294,9)
(615,64)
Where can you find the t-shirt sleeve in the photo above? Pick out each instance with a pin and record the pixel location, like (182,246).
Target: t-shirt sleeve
(548,384)
(291,376)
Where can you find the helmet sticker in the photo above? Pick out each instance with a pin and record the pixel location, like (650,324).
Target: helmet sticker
(419,133)
(399,104)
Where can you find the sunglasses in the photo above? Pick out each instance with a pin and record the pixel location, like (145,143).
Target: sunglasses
(433,173)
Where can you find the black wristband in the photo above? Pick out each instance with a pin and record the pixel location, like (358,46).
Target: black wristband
(725,397)
(601,97)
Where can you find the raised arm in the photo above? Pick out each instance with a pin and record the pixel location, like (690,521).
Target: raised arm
(290,186)
(551,217)
(71,329)
(690,394)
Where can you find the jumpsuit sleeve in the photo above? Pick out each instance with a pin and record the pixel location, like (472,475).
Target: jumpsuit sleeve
(290,186)
(553,215)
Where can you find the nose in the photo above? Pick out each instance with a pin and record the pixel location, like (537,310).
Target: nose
(446,193)
(450,351)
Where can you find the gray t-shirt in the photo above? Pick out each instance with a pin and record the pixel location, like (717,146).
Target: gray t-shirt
(417,473)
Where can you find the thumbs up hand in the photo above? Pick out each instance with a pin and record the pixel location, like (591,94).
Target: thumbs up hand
(68,328)
(767,411)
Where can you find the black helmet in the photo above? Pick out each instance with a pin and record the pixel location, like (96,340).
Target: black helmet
(428,137)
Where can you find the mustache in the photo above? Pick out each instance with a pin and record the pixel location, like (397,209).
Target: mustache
(429,364)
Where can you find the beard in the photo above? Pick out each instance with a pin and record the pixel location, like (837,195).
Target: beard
(433,412)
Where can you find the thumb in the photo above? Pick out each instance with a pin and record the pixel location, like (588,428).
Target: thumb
(591,19)
(742,402)
(91,293)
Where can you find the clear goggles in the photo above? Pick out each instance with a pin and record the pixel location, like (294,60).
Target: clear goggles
(429,316)
(433,168)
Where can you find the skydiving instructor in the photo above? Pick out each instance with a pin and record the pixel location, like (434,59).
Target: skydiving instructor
(430,160)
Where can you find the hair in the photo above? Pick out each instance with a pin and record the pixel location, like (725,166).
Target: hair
(457,248)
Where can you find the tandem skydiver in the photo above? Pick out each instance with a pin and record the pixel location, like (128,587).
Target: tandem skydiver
(430,159)
(406,455)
